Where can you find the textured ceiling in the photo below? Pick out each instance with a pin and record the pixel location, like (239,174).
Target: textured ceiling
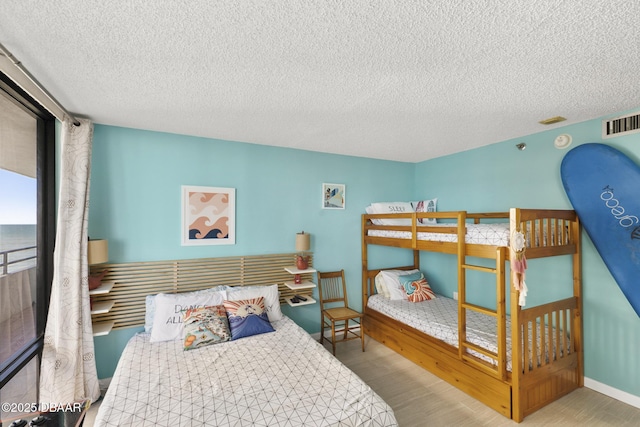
(402,80)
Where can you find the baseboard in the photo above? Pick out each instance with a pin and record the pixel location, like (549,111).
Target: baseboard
(614,393)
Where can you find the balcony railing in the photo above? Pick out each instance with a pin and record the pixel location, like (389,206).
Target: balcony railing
(10,259)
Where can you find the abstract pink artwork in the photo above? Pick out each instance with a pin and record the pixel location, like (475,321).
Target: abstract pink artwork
(208,216)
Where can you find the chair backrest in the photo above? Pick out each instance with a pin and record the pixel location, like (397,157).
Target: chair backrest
(332,289)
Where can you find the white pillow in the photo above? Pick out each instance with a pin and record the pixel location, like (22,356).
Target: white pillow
(393,285)
(369,210)
(270,293)
(393,207)
(170,309)
(381,286)
(150,304)
(425,206)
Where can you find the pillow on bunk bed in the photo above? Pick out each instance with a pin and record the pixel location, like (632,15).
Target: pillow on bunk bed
(247,317)
(381,286)
(391,280)
(205,326)
(170,308)
(369,210)
(270,293)
(417,290)
(425,206)
(391,207)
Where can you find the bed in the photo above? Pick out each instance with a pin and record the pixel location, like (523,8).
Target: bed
(515,380)
(188,369)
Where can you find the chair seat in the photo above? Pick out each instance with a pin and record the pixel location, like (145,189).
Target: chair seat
(341,313)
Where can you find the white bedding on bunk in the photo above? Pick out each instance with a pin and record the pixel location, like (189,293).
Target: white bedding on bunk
(496,234)
(282,378)
(439,318)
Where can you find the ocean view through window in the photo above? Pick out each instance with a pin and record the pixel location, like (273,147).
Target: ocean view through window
(27,230)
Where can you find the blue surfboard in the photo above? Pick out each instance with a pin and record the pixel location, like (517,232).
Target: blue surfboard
(603,186)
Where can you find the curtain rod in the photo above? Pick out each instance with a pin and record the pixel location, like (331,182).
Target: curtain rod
(17,64)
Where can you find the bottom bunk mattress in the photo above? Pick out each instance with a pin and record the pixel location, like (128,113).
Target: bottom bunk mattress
(281,378)
(438,318)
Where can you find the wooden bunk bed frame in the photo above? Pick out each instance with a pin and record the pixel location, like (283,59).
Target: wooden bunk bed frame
(534,381)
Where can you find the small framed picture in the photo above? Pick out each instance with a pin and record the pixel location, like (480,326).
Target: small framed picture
(333,196)
(208,216)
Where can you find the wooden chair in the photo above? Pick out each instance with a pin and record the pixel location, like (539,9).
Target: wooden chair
(335,311)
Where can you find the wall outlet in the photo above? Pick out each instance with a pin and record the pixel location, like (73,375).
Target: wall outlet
(455,295)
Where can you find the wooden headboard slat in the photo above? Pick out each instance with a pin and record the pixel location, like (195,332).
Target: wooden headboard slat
(134,281)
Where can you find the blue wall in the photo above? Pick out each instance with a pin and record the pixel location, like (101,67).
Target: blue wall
(136,181)
(498,177)
(135,203)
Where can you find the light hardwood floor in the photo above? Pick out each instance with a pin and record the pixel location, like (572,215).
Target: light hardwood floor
(419,398)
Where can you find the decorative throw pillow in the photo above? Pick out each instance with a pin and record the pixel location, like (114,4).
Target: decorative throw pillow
(270,294)
(425,206)
(419,290)
(150,304)
(394,286)
(204,326)
(247,318)
(170,308)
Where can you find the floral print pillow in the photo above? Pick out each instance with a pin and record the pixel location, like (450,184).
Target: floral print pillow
(204,326)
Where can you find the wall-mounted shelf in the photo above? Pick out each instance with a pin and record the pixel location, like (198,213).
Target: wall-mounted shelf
(296,270)
(104,288)
(298,304)
(102,328)
(297,286)
(305,285)
(102,307)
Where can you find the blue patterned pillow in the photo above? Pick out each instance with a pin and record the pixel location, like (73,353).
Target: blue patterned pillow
(247,317)
(407,280)
(204,326)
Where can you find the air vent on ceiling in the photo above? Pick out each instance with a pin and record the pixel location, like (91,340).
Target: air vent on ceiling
(624,125)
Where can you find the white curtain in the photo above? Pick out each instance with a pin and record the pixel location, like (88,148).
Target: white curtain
(68,368)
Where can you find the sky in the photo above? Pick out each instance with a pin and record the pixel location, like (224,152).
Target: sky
(18,198)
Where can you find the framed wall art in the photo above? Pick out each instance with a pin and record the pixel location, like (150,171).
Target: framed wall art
(208,216)
(333,196)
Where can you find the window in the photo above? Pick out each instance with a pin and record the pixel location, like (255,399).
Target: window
(27,233)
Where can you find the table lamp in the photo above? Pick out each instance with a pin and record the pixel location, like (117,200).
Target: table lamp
(97,253)
(303,243)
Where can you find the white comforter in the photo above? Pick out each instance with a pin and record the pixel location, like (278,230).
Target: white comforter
(282,378)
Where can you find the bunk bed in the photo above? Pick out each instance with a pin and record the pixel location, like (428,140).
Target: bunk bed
(546,361)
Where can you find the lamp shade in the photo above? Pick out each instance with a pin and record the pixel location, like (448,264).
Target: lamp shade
(98,252)
(303,242)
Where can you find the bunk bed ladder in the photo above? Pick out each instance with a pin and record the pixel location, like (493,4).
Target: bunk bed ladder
(497,366)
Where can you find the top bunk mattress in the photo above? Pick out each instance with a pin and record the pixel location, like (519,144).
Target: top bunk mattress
(281,378)
(480,234)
